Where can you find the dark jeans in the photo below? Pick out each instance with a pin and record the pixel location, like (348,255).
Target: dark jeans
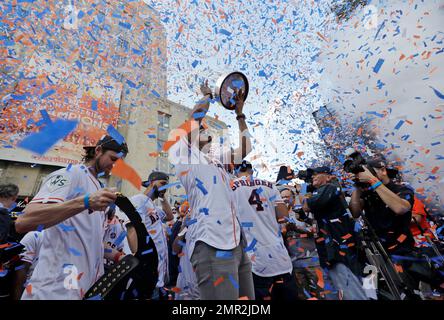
(282,287)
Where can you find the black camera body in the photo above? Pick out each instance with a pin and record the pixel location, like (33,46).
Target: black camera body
(355,164)
(307,177)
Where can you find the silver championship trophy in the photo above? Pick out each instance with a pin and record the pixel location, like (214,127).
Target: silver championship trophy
(228,85)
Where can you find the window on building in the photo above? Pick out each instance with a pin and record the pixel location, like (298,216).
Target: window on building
(163,129)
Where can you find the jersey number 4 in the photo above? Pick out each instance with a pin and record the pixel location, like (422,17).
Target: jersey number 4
(256,200)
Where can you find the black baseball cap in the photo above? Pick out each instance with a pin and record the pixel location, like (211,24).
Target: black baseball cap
(378,162)
(154,176)
(244,166)
(109,143)
(323,169)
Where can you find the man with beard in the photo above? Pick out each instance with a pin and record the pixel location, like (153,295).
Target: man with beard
(70,207)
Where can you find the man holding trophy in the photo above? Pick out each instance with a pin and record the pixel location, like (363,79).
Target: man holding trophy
(223,270)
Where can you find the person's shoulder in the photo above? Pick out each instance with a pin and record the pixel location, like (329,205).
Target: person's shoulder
(138,197)
(66,174)
(71,169)
(63,177)
(401,187)
(32,237)
(329,186)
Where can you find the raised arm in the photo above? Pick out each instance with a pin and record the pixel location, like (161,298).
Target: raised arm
(244,135)
(356,203)
(398,205)
(167,209)
(201,108)
(199,112)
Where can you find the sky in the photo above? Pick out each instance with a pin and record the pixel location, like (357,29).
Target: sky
(273,43)
(298,58)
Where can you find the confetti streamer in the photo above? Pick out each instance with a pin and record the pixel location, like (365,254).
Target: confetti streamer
(201,187)
(74,252)
(125,171)
(47,137)
(218,281)
(222,254)
(378,65)
(115,134)
(438,94)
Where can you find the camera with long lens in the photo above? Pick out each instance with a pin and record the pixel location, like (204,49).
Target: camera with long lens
(355,164)
(307,177)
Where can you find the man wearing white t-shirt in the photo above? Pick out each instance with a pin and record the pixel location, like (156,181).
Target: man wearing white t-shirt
(70,207)
(223,270)
(259,207)
(153,218)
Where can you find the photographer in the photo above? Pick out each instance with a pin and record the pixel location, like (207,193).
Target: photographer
(336,242)
(387,206)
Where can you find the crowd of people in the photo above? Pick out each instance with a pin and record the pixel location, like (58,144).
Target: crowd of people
(234,237)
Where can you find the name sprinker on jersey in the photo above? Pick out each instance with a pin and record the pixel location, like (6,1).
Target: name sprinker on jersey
(251,183)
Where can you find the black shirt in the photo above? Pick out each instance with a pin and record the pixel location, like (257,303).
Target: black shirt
(336,241)
(5,225)
(392,229)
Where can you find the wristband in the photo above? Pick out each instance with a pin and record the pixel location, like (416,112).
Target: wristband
(376,185)
(86,201)
(240,116)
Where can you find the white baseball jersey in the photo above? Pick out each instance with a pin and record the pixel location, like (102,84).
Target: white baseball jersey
(114,237)
(186,279)
(152,217)
(256,200)
(71,254)
(32,242)
(207,184)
